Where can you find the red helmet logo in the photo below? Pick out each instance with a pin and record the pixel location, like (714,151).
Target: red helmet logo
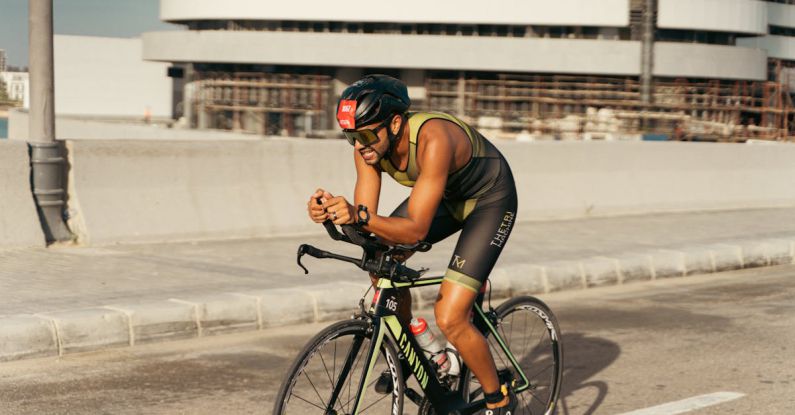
(346,114)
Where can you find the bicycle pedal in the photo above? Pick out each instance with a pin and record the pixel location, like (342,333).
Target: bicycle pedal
(506,377)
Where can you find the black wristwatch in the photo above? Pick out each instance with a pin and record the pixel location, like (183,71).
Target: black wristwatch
(362,215)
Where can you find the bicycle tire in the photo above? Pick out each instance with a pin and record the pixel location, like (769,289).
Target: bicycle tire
(313,376)
(522,314)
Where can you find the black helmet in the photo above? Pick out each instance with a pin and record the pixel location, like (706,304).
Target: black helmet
(376,98)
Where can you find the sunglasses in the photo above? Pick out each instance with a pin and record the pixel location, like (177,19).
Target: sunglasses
(365,136)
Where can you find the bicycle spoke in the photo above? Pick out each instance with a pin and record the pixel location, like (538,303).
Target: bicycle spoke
(525,403)
(511,334)
(367,386)
(370,406)
(543,337)
(542,370)
(316,391)
(322,360)
(506,337)
(537,398)
(496,347)
(532,332)
(299,397)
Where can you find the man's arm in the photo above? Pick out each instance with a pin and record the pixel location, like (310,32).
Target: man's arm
(368,185)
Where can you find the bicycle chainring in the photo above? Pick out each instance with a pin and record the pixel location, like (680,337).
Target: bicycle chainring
(425,408)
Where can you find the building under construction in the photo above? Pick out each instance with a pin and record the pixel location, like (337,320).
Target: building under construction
(569,69)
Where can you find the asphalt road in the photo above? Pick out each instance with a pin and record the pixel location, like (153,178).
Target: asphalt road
(627,348)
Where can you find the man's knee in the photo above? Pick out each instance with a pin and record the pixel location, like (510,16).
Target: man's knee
(450,323)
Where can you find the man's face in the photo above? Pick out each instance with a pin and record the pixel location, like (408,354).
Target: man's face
(373,153)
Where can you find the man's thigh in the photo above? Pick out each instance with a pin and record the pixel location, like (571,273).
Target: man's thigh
(482,239)
(443,225)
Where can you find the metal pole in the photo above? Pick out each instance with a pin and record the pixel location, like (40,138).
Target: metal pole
(647,51)
(46,154)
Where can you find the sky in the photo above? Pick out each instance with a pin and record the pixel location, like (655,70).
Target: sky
(112,18)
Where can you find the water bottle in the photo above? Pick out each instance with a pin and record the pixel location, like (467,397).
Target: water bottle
(430,344)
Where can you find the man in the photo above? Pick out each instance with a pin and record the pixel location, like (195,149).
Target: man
(460,182)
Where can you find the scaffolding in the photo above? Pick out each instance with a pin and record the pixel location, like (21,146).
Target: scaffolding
(514,105)
(262,103)
(564,106)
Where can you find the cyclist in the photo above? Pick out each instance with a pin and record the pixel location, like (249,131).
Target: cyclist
(459,181)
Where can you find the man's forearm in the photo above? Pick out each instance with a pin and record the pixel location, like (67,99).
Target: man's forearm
(396,229)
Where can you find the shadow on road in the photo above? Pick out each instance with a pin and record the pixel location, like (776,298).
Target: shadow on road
(583,358)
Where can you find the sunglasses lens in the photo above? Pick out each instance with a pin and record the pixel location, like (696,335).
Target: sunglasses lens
(351,137)
(365,137)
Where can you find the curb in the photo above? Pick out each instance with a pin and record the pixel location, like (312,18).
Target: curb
(125,325)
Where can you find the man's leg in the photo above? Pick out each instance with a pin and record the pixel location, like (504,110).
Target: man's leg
(452,309)
(482,239)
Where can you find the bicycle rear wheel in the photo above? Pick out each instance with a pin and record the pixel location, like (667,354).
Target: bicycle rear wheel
(532,334)
(326,375)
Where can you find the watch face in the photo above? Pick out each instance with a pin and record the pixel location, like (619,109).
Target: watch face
(363,215)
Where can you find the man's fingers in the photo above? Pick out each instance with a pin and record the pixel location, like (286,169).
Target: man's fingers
(334,201)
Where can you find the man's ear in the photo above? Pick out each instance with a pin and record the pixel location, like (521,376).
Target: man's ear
(394,126)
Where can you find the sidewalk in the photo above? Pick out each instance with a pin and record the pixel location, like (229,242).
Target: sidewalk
(68,299)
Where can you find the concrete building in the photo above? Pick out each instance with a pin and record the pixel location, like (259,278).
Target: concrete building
(106,77)
(17,86)
(564,68)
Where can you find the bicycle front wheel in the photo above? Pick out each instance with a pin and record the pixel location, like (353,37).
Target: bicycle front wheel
(531,333)
(325,377)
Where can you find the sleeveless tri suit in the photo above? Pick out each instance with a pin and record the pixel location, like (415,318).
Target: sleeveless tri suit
(479,200)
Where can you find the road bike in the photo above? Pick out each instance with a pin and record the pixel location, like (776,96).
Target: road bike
(338,369)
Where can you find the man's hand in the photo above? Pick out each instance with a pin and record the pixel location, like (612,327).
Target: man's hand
(339,210)
(315,207)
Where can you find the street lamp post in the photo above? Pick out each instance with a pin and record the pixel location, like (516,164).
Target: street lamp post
(46,154)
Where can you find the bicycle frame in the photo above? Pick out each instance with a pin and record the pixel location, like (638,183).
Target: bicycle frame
(384,320)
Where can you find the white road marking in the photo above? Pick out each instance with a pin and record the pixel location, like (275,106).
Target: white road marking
(689,404)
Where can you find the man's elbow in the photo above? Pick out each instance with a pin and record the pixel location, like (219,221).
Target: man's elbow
(418,235)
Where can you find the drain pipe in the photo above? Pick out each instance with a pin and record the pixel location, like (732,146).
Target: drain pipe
(47,160)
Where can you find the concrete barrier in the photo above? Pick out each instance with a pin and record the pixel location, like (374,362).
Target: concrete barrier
(127,191)
(19,223)
(578,179)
